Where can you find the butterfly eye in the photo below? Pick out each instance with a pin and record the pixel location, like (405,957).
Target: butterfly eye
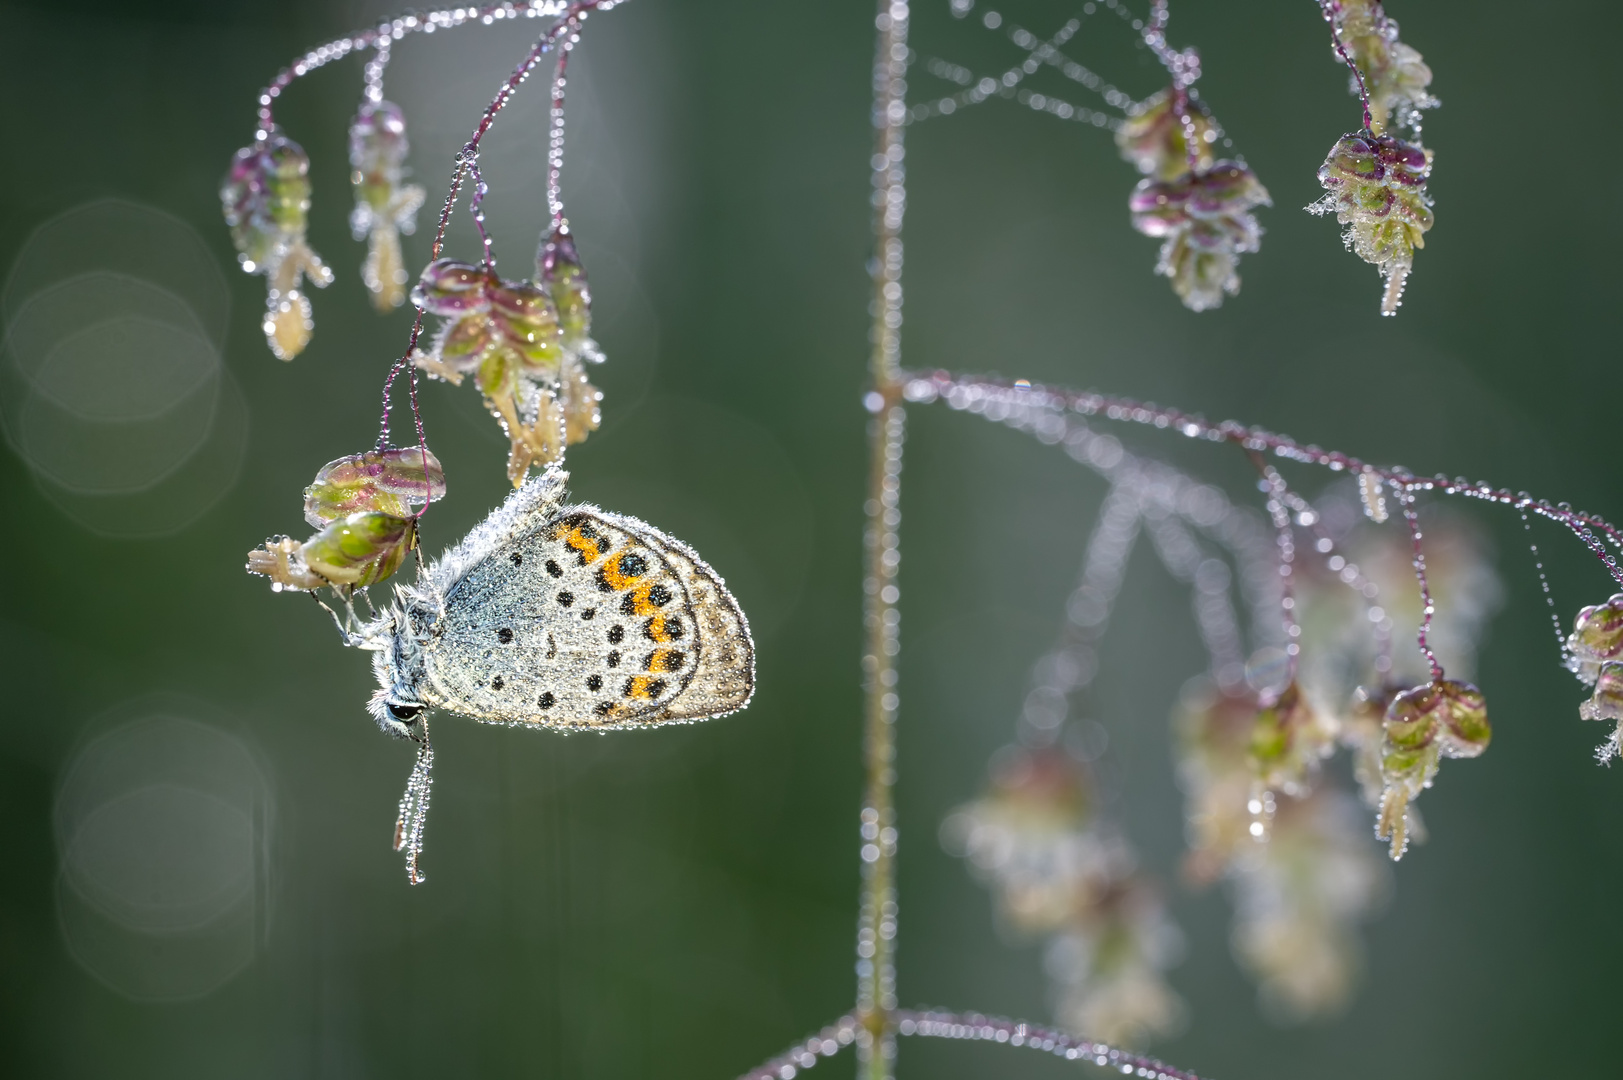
(405,712)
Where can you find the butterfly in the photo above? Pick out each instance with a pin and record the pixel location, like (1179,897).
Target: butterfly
(557,616)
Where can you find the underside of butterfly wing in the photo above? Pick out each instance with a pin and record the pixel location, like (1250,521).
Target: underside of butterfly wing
(724,675)
(589,621)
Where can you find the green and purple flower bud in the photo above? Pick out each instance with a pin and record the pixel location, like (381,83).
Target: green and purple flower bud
(507,335)
(385,207)
(266,200)
(1205,223)
(350,553)
(451,288)
(527,320)
(362,505)
(377,151)
(1288,740)
(381,481)
(361,549)
(1442,718)
(1607,704)
(560,271)
(1395,75)
(1154,138)
(1596,638)
(1376,187)
(487,316)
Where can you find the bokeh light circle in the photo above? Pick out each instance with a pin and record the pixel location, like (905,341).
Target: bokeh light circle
(163,829)
(112,387)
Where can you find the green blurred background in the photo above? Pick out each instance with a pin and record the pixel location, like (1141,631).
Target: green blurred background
(683,902)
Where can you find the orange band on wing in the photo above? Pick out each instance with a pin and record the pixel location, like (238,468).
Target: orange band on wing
(622,573)
(660,629)
(584,539)
(645,687)
(666,660)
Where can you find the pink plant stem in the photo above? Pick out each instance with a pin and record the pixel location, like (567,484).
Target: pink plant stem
(1427,607)
(394,29)
(1184,67)
(1155,36)
(568,22)
(928,386)
(1328,7)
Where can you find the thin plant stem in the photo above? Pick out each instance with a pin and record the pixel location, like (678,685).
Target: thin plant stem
(986,392)
(555,132)
(476,208)
(823,1044)
(1349,574)
(394,29)
(1279,513)
(973,1026)
(876,925)
(1328,8)
(1184,67)
(936,1024)
(372,73)
(1427,607)
(1549,597)
(568,23)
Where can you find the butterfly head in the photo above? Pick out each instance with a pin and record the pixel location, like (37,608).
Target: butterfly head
(393,704)
(396,705)
(398,718)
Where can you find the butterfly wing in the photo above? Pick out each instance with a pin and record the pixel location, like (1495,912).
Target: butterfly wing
(589,620)
(723,678)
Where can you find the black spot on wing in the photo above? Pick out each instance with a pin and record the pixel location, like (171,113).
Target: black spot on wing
(665,660)
(672,627)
